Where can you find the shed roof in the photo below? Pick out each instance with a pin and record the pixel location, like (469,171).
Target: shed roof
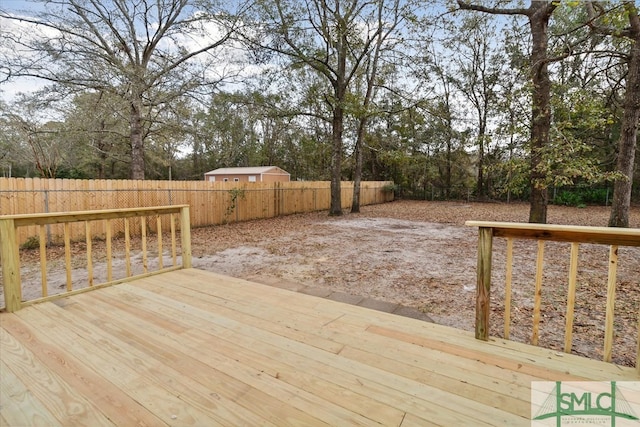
(244,171)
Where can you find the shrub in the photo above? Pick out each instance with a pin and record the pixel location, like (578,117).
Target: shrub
(581,197)
(568,198)
(33,242)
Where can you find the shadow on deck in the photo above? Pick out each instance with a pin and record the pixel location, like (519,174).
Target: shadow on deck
(195,348)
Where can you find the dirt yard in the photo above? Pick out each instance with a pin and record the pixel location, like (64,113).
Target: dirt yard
(420,254)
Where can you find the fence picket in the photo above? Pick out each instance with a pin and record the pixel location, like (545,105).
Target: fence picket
(211,203)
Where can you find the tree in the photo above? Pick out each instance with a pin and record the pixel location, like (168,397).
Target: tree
(12,147)
(629,132)
(333,39)
(512,174)
(96,125)
(38,142)
(384,29)
(479,71)
(141,52)
(539,14)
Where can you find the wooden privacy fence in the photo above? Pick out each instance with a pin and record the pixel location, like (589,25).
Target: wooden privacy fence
(614,237)
(211,202)
(10,252)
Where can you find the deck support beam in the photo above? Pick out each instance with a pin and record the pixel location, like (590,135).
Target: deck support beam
(10,259)
(185,236)
(483,287)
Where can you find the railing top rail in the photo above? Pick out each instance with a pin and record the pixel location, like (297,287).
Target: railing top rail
(562,233)
(62,217)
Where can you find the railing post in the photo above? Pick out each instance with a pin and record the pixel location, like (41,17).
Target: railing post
(10,259)
(185,236)
(483,287)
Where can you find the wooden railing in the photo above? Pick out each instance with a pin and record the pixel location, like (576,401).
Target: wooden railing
(10,249)
(614,237)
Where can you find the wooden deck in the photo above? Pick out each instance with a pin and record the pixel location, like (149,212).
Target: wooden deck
(192,348)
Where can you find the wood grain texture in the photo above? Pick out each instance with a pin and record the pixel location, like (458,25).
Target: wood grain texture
(26,409)
(127,247)
(537,297)
(67,255)
(563,233)
(66,217)
(571,297)
(10,260)
(89,242)
(109,244)
(193,348)
(43,260)
(611,300)
(507,288)
(143,241)
(159,236)
(52,391)
(483,287)
(173,240)
(185,237)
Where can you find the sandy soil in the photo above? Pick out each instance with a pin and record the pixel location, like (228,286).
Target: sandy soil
(418,254)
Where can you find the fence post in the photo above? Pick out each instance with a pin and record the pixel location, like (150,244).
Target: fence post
(483,287)
(10,258)
(46,209)
(185,236)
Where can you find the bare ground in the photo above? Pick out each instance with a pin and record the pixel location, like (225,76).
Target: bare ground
(418,254)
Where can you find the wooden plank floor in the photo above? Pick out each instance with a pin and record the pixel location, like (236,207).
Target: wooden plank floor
(193,348)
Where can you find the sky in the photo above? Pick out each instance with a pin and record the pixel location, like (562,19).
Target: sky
(11,89)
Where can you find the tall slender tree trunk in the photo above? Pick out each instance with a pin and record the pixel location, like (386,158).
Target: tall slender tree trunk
(102,151)
(371,75)
(337,125)
(447,177)
(357,178)
(629,133)
(481,149)
(137,142)
(541,113)
(337,122)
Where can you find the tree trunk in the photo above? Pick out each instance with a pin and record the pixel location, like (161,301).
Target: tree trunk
(481,148)
(447,178)
(541,113)
(357,176)
(628,138)
(137,142)
(337,124)
(102,151)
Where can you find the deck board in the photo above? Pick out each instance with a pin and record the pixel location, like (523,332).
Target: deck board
(194,348)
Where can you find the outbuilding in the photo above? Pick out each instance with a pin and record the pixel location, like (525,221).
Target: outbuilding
(248,174)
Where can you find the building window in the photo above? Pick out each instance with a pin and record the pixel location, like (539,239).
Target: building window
(252,178)
(212,179)
(225,179)
(236,179)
